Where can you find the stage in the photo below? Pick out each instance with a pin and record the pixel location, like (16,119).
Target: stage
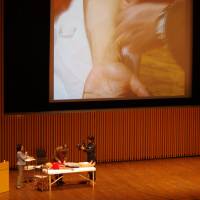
(176,178)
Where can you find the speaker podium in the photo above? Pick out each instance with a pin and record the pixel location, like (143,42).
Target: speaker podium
(4,174)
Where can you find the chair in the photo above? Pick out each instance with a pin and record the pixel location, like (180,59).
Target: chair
(41,156)
(41,181)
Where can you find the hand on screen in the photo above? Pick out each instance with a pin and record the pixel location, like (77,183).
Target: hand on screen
(114,80)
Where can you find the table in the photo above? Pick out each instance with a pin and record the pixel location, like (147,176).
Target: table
(28,161)
(70,170)
(30,165)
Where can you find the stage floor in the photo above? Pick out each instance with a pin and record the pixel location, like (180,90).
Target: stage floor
(177,178)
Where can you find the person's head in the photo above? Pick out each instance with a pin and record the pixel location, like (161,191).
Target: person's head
(65,146)
(20,147)
(90,139)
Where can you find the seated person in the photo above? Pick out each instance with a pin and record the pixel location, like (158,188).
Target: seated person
(61,154)
(60,157)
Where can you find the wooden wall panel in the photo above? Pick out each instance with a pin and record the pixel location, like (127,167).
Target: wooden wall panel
(1,59)
(121,134)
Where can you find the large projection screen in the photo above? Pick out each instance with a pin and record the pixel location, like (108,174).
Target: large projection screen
(120,49)
(67,55)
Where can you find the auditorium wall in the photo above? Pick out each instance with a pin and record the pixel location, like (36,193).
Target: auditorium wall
(121,134)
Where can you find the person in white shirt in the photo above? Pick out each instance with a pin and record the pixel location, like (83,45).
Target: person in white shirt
(21,157)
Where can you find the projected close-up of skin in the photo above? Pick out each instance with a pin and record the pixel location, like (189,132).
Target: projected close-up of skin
(121,49)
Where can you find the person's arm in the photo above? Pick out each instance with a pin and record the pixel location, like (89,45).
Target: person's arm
(100,17)
(90,148)
(57,154)
(109,77)
(56,159)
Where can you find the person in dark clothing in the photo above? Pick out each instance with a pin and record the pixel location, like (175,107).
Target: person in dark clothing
(90,149)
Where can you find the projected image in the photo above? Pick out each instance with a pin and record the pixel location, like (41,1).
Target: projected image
(121,49)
